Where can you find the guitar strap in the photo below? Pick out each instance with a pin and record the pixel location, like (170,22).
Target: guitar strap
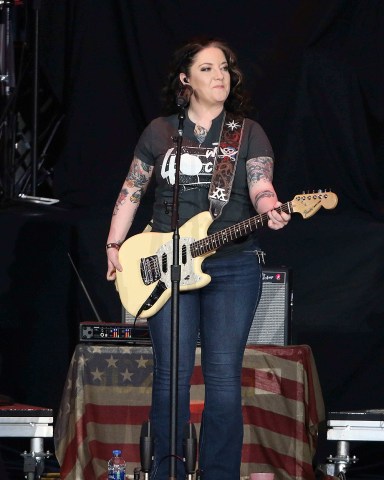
(225,163)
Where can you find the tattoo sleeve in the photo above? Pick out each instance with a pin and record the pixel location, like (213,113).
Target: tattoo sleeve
(135,184)
(260,195)
(259,168)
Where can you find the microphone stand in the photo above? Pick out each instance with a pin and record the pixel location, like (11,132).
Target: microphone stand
(175,281)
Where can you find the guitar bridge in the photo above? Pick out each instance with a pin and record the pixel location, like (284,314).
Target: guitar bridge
(150,269)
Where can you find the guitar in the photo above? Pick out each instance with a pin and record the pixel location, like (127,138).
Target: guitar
(144,285)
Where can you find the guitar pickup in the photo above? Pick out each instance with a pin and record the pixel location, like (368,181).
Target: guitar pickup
(150,270)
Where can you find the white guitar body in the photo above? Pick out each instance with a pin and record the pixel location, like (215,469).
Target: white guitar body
(138,270)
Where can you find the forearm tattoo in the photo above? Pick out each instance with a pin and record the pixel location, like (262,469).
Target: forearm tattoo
(260,168)
(135,184)
(260,195)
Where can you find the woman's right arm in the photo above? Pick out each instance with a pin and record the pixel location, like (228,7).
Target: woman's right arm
(125,210)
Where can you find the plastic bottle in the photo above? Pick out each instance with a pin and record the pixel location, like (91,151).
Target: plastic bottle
(116,466)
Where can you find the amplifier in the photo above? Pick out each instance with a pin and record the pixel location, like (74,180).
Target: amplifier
(105,332)
(272,321)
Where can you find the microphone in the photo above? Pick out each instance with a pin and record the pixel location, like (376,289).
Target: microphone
(146,447)
(190,448)
(182,99)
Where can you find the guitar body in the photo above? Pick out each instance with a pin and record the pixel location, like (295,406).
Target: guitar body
(147,259)
(145,284)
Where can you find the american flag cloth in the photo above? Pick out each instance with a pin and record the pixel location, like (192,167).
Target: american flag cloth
(282,409)
(107,396)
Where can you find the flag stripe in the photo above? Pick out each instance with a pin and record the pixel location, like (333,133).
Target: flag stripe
(274,422)
(281,463)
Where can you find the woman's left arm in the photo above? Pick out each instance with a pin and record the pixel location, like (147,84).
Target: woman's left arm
(262,192)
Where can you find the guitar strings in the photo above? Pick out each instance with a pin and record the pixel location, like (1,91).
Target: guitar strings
(219,238)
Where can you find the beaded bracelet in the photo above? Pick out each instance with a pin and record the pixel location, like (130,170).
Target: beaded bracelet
(113,245)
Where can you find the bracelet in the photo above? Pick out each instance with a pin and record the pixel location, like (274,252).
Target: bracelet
(113,245)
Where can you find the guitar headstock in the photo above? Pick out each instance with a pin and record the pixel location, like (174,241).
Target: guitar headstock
(309,203)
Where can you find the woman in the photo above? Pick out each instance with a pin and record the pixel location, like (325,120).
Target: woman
(222,311)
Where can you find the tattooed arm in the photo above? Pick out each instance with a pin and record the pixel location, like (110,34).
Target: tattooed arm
(262,192)
(259,176)
(128,201)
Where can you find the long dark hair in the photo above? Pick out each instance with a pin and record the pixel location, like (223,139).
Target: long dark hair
(237,101)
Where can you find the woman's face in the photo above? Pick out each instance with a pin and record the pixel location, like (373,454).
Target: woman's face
(209,77)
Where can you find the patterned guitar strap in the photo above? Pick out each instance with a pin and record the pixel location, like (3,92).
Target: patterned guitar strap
(225,163)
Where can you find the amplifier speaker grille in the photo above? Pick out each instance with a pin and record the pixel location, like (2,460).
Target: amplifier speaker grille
(271,323)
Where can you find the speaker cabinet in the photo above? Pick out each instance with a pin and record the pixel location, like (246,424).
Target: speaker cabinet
(272,321)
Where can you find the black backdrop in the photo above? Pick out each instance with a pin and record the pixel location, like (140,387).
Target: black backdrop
(316,73)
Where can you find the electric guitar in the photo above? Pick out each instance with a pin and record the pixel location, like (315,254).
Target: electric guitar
(145,285)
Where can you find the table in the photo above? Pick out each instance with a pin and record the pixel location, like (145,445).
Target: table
(36,423)
(107,396)
(360,425)
(347,426)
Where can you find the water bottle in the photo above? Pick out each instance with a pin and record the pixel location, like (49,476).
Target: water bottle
(116,466)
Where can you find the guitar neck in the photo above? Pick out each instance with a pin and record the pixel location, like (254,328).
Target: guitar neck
(216,240)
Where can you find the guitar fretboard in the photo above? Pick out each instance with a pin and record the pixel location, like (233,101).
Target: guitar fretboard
(218,239)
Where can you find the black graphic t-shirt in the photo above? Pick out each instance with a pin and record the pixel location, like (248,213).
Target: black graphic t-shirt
(157,147)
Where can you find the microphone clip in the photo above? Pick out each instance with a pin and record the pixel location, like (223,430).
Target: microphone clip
(184,96)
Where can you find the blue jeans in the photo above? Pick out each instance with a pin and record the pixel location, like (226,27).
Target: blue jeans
(222,312)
